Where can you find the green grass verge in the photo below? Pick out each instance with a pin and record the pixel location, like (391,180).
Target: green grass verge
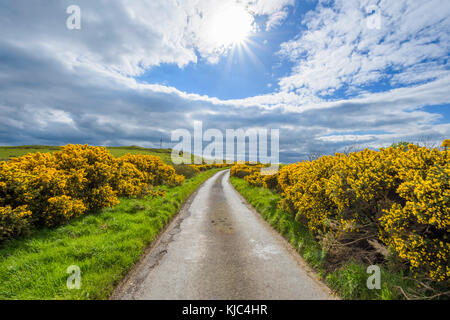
(104,245)
(349,281)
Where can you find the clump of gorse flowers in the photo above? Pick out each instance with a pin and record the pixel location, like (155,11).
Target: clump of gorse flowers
(399,196)
(52,188)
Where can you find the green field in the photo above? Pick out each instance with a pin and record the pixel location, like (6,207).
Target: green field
(105,246)
(7,153)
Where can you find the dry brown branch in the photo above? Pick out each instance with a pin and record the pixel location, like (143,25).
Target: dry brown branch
(403,292)
(438,295)
(360,239)
(379,247)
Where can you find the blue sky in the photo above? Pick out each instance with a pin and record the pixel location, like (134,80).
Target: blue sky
(329,74)
(243,72)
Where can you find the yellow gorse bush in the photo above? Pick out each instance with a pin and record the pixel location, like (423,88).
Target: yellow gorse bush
(137,174)
(398,195)
(205,167)
(13,222)
(417,227)
(242,170)
(446,143)
(253,175)
(50,189)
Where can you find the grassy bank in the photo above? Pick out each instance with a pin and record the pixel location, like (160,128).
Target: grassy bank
(348,279)
(104,246)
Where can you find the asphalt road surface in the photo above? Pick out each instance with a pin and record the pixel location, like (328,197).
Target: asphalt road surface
(219,248)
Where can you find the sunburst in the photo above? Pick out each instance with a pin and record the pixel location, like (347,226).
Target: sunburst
(230,25)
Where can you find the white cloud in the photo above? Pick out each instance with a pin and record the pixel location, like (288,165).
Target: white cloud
(127,36)
(275,10)
(339,49)
(276,20)
(268,7)
(59,86)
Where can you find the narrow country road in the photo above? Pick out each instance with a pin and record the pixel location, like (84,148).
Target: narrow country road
(220,248)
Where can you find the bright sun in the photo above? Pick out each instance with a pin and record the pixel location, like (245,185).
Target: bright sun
(230,25)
